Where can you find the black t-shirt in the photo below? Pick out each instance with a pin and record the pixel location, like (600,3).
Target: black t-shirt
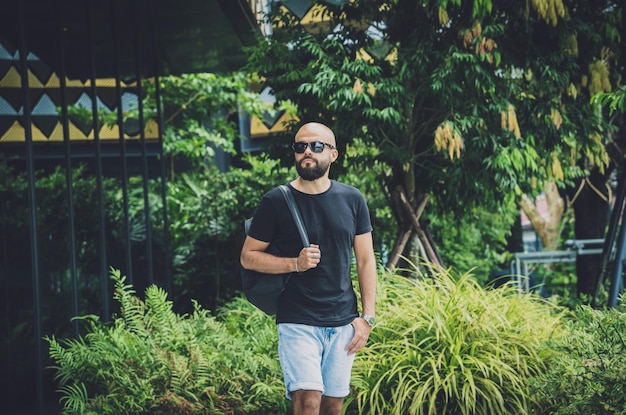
(321,296)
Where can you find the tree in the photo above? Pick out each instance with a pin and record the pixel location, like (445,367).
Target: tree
(547,228)
(470,102)
(570,56)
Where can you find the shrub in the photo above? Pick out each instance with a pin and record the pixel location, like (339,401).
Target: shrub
(450,346)
(588,375)
(150,360)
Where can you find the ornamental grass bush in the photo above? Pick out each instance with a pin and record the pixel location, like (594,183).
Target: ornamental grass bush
(445,345)
(150,360)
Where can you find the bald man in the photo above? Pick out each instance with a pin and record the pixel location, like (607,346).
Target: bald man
(319,326)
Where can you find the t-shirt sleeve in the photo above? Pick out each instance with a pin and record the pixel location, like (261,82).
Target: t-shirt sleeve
(263,226)
(364,223)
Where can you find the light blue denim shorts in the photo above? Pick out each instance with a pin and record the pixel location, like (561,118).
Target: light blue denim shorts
(315,358)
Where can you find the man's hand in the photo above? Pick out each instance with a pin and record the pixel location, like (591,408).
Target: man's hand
(309,258)
(362,332)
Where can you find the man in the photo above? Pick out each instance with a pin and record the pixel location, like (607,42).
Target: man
(319,327)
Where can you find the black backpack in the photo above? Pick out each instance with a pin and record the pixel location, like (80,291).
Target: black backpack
(264,290)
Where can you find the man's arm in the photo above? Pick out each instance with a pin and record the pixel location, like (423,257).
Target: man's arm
(254,257)
(366,271)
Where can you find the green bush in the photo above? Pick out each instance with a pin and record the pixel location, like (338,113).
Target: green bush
(150,360)
(442,345)
(588,373)
(446,346)
(206,211)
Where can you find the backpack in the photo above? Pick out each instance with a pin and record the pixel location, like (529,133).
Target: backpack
(264,290)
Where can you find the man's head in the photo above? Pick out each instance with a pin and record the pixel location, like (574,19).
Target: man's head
(314,148)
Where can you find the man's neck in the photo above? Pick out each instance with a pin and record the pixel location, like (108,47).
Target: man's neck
(312,187)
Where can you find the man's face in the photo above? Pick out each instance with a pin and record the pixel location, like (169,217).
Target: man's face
(311,166)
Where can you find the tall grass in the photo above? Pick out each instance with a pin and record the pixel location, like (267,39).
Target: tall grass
(445,345)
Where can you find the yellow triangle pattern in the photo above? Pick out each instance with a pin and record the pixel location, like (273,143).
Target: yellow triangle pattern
(53,81)
(33,81)
(152,129)
(109,133)
(14,134)
(57,133)
(315,21)
(11,79)
(76,133)
(258,129)
(38,135)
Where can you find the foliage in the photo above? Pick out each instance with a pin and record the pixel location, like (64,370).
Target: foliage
(477,240)
(209,196)
(367,177)
(393,72)
(207,210)
(615,101)
(150,360)
(200,114)
(54,250)
(210,188)
(445,345)
(587,374)
(52,197)
(466,101)
(557,281)
(442,345)
(12,186)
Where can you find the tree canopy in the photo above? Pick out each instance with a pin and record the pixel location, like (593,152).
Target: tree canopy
(470,102)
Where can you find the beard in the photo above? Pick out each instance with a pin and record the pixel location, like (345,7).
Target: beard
(314,172)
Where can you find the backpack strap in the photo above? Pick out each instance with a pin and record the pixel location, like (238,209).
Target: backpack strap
(296,214)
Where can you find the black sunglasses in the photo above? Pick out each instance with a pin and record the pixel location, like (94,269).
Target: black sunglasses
(316,146)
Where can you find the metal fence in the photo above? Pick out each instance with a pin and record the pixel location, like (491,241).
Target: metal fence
(83,178)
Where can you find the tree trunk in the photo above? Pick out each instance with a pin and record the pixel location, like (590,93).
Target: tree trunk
(591,205)
(411,224)
(547,228)
(399,247)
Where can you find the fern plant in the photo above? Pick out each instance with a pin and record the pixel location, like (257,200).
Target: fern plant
(150,360)
(445,345)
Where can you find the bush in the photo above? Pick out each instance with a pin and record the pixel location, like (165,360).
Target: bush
(588,375)
(443,345)
(446,346)
(150,360)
